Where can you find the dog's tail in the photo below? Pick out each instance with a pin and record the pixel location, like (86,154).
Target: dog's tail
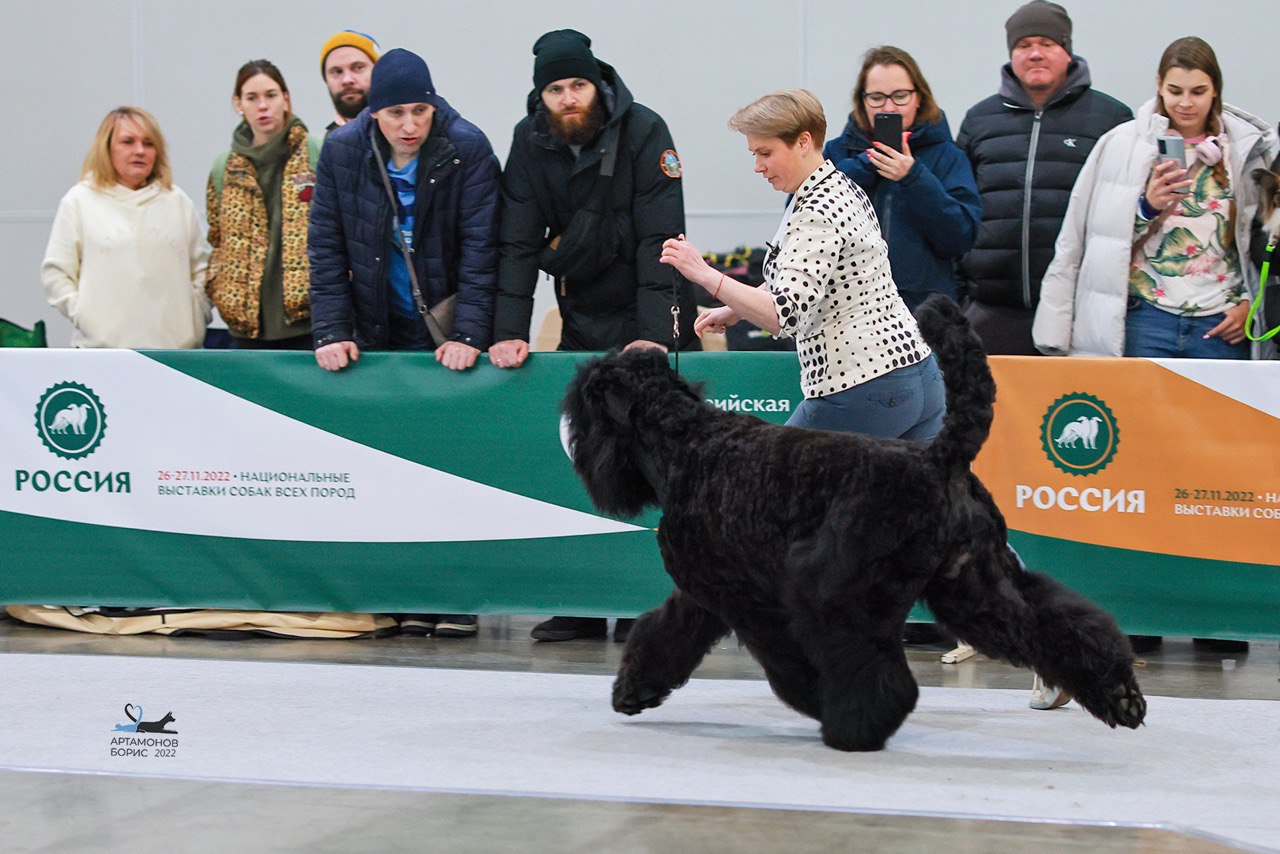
(971,391)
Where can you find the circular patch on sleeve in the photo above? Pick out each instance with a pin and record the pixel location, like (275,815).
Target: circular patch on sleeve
(670,163)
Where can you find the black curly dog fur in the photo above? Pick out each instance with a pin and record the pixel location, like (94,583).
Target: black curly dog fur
(813,546)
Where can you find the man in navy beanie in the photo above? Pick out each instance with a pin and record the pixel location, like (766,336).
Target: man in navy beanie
(403,240)
(591,189)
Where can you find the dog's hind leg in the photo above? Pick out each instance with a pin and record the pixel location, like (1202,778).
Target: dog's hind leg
(1031,620)
(663,649)
(867,689)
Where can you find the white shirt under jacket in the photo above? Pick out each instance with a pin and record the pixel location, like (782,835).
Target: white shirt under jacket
(127,267)
(1085,291)
(833,289)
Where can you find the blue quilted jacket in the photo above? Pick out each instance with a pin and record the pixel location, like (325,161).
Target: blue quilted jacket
(350,240)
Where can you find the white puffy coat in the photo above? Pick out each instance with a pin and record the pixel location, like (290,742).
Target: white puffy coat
(1085,291)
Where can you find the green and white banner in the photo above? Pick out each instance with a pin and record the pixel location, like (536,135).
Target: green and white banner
(256,480)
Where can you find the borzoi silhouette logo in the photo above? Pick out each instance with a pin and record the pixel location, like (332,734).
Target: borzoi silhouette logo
(71,420)
(1079,434)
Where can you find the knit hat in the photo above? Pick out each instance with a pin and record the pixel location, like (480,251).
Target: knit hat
(564,53)
(1039,18)
(349,38)
(400,77)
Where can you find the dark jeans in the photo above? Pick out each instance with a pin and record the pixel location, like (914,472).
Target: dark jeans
(906,403)
(408,333)
(1154,333)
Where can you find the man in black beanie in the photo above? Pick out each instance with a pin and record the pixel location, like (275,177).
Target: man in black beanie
(1027,144)
(591,189)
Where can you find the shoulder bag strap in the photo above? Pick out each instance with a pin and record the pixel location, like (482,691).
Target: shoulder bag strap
(394,201)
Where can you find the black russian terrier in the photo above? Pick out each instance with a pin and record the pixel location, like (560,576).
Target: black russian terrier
(812,547)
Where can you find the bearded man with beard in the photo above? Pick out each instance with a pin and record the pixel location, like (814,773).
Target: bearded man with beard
(346,63)
(591,189)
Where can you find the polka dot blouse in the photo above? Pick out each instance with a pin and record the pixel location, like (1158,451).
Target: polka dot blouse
(834,294)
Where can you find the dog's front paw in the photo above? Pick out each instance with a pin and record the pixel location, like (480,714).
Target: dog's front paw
(631,697)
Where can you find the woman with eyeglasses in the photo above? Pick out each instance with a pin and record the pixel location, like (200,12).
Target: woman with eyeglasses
(924,195)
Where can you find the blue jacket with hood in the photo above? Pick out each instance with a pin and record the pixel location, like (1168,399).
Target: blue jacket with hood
(929,218)
(351,241)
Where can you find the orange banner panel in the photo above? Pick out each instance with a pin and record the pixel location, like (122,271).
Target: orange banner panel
(1127,453)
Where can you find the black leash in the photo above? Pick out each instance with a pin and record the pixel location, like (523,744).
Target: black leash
(676,278)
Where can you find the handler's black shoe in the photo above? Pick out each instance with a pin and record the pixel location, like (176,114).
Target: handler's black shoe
(570,628)
(622,629)
(1145,643)
(1220,645)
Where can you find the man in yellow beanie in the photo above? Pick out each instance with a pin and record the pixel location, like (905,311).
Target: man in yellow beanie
(346,61)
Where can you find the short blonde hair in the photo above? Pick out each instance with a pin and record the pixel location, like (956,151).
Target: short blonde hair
(97,165)
(785,114)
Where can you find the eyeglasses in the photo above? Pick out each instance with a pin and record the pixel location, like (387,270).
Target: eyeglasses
(901,97)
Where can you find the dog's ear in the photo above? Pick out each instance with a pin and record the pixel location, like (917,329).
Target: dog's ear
(618,406)
(1268,182)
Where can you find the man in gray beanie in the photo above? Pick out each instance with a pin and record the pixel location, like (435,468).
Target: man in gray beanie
(591,189)
(1027,144)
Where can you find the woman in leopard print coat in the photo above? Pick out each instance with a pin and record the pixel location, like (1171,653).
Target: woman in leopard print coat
(259,201)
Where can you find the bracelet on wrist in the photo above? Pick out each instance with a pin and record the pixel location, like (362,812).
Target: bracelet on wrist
(719,285)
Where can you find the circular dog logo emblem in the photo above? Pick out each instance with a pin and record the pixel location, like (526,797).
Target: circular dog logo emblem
(71,420)
(1079,434)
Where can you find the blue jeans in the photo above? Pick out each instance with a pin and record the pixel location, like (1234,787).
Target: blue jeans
(1154,333)
(907,403)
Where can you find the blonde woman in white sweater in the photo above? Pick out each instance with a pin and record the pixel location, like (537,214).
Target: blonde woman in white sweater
(126,259)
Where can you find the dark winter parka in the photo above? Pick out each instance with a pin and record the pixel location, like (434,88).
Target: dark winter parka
(929,218)
(455,238)
(543,186)
(1013,146)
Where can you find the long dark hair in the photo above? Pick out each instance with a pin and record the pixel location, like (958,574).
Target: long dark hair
(1193,53)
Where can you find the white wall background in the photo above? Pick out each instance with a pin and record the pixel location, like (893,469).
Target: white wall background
(69,61)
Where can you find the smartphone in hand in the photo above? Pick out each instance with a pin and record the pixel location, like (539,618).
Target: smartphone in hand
(1171,147)
(888,129)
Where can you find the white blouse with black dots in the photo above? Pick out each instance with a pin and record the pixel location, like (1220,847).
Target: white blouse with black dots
(834,292)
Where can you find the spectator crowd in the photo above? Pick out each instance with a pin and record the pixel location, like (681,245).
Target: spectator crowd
(1064,224)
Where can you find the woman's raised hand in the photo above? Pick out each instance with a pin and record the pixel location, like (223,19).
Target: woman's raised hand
(1166,185)
(688,262)
(892,165)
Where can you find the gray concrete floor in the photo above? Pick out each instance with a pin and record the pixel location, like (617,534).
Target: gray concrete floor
(42,811)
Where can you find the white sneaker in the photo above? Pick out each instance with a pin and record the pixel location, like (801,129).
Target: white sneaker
(1045,696)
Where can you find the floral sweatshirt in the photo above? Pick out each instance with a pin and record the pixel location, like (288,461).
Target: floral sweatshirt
(1191,266)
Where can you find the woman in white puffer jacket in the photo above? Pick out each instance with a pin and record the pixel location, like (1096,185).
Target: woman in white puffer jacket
(1185,290)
